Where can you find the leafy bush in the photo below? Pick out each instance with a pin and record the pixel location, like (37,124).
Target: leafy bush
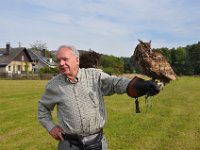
(48,70)
(111,64)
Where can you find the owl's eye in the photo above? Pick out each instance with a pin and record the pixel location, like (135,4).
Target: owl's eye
(146,45)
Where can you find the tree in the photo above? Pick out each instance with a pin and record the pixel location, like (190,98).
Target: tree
(26,66)
(193,52)
(128,66)
(111,64)
(180,60)
(38,45)
(166,53)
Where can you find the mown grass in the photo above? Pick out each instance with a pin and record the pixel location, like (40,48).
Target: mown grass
(173,123)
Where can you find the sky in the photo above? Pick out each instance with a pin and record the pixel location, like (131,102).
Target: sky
(110,27)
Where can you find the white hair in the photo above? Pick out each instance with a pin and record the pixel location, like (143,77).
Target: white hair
(72,48)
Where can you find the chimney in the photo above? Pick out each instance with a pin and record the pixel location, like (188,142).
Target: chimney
(8,48)
(44,52)
(20,45)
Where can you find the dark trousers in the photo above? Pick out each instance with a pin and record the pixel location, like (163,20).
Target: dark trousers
(67,145)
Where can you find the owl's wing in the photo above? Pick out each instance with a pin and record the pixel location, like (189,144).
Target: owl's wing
(160,66)
(143,62)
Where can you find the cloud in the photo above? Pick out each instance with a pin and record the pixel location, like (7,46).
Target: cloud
(111,27)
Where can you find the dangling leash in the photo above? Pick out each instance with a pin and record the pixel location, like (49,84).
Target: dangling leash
(147,103)
(137,106)
(139,87)
(147,98)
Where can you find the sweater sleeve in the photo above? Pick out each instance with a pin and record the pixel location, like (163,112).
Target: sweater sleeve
(112,84)
(46,105)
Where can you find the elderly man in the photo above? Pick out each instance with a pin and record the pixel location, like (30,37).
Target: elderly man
(78,95)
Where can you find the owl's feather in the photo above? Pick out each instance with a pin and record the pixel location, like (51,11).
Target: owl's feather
(152,63)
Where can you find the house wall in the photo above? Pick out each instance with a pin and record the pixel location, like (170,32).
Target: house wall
(18,67)
(2,69)
(23,56)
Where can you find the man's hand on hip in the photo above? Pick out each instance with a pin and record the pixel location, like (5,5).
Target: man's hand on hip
(56,133)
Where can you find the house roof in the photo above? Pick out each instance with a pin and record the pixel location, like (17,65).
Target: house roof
(32,54)
(37,55)
(7,58)
(2,51)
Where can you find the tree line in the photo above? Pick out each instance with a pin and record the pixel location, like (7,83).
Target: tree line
(184,61)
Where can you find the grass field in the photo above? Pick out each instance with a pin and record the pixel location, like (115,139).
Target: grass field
(172,124)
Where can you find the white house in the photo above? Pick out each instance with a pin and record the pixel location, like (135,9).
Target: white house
(15,60)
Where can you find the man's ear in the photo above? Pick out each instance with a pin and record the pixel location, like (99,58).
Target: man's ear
(77,60)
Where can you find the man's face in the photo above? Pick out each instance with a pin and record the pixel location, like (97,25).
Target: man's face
(68,63)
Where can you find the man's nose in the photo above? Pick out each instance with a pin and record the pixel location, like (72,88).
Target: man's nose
(62,62)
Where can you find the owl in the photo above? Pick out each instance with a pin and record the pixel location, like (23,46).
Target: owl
(152,63)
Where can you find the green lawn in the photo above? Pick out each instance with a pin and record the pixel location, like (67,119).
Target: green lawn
(172,124)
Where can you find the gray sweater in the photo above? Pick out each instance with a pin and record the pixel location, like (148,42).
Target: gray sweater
(80,105)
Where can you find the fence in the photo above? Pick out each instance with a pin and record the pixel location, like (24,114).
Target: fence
(15,76)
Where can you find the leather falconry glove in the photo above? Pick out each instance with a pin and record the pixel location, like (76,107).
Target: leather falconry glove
(138,87)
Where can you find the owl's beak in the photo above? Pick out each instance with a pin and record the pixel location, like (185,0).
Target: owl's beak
(150,51)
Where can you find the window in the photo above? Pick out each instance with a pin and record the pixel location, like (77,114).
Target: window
(13,68)
(35,61)
(9,68)
(22,58)
(19,68)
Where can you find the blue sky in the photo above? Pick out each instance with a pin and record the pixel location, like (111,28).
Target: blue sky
(106,26)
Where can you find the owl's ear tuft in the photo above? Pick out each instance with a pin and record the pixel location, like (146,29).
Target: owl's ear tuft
(141,41)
